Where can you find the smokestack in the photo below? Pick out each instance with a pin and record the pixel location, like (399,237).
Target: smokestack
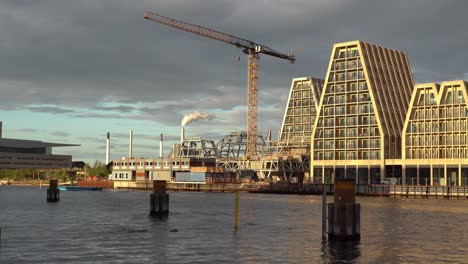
(182,135)
(269,138)
(107,148)
(161,147)
(130,145)
(1,129)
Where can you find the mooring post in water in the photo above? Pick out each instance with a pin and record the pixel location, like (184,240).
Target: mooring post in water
(344,215)
(159,199)
(53,193)
(324,212)
(236,210)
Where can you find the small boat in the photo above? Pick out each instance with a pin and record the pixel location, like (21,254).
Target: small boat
(79,188)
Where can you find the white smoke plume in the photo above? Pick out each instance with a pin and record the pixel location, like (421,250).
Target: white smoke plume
(189,118)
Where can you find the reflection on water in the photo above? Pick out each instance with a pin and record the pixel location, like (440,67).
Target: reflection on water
(340,251)
(114,227)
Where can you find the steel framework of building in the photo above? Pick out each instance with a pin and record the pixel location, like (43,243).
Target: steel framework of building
(235,144)
(196,147)
(269,166)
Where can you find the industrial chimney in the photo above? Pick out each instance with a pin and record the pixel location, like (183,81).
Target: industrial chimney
(130,145)
(182,136)
(107,148)
(269,139)
(161,147)
(1,129)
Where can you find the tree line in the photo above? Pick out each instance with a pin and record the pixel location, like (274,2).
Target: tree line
(98,169)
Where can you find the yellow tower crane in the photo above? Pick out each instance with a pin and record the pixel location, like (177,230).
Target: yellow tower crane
(250,48)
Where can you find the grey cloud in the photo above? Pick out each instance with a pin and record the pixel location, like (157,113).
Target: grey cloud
(98,115)
(59,133)
(122,108)
(85,54)
(26,130)
(90,139)
(49,109)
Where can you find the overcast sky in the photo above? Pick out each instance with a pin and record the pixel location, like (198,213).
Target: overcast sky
(70,71)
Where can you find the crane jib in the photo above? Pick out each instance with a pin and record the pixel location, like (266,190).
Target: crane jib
(249,47)
(213,34)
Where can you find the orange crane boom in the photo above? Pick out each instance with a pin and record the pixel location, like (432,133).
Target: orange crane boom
(250,48)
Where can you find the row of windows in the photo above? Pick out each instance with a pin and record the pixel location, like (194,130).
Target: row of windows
(437,153)
(347,155)
(348,65)
(301,111)
(151,163)
(348,87)
(301,94)
(299,102)
(343,99)
(346,53)
(348,144)
(438,112)
(347,121)
(299,119)
(427,97)
(302,137)
(348,110)
(349,132)
(121,175)
(436,140)
(346,76)
(297,128)
(437,126)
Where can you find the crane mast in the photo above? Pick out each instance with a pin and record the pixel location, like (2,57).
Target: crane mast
(250,48)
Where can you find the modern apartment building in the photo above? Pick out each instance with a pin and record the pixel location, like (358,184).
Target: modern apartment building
(300,113)
(435,143)
(362,109)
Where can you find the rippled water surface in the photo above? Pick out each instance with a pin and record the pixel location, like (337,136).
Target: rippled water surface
(114,227)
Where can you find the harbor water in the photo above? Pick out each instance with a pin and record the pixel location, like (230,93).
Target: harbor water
(114,227)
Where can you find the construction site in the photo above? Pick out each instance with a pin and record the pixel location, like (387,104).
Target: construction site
(246,152)
(349,125)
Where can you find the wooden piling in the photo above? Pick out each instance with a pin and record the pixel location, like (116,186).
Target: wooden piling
(159,199)
(53,193)
(236,211)
(324,213)
(344,215)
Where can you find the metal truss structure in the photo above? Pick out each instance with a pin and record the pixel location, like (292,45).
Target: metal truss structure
(196,147)
(267,167)
(234,145)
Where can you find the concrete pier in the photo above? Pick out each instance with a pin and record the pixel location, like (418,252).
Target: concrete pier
(53,193)
(159,199)
(344,215)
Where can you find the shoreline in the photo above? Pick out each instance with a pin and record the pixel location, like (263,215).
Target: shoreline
(405,191)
